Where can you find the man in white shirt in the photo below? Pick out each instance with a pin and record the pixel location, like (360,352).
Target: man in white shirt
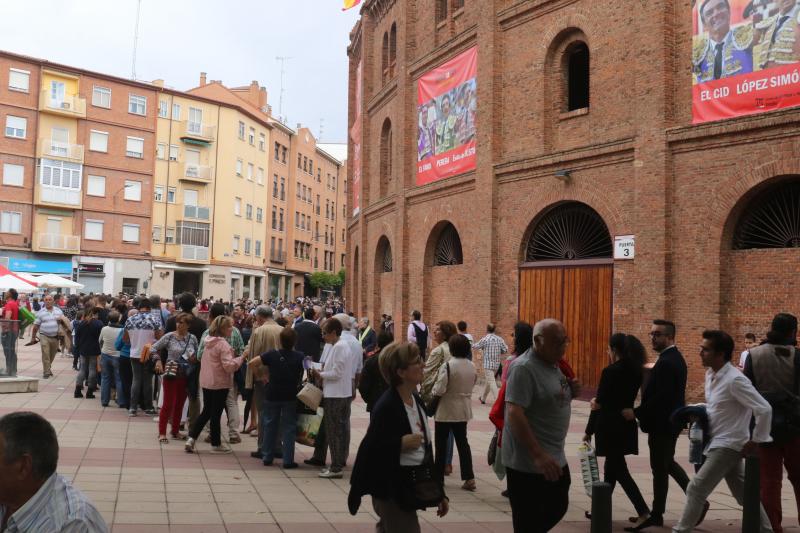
(730,401)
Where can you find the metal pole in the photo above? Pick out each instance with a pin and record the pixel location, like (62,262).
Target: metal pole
(601,507)
(751,511)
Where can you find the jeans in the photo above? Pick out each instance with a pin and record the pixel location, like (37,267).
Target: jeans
(616,470)
(459,431)
(663,465)
(720,463)
(537,505)
(172,408)
(213,405)
(110,370)
(773,459)
(285,414)
(126,378)
(9,340)
(88,372)
(142,388)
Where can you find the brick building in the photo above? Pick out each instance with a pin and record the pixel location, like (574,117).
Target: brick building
(584,134)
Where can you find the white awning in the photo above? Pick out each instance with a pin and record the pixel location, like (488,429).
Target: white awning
(180,267)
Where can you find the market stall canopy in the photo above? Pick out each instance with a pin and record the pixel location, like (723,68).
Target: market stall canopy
(53,281)
(9,280)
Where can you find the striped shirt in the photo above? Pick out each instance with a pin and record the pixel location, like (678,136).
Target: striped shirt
(493,347)
(48,321)
(56,507)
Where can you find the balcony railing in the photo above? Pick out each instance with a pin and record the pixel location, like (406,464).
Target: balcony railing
(198,131)
(200,173)
(194,253)
(196,212)
(70,105)
(57,242)
(59,195)
(277,256)
(59,150)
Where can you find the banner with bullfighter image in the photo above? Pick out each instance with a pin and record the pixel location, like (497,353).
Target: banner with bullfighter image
(446,110)
(745,57)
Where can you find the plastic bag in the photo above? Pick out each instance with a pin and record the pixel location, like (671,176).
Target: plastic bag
(589,469)
(308,425)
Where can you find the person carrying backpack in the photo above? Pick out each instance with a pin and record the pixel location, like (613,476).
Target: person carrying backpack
(418,333)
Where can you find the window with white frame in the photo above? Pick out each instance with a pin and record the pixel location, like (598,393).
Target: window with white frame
(250,168)
(171,195)
(135,147)
(260,176)
(55,173)
(19,80)
(262,142)
(163,109)
(95,185)
(137,104)
(251,137)
(161,151)
(241,130)
(13,175)
(156,233)
(247,246)
(93,230)
(158,193)
(133,190)
(248,211)
(16,127)
(239,165)
(237,206)
(169,235)
(10,222)
(258,248)
(130,233)
(259,214)
(195,122)
(174,151)
(236,244)
(101,97)
(98,141)
(176,111)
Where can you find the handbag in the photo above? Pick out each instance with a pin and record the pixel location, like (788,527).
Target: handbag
(425,487)
(433,405)
(491,454)
(589,470)
(310,395)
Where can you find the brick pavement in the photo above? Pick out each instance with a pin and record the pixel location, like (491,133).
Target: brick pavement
(139,485)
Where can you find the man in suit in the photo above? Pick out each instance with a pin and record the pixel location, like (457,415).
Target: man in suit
(367,336)
(309,336)
(778,39)
(665,391)
(723,51)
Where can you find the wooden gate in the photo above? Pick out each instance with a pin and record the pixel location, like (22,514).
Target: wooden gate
(579,294)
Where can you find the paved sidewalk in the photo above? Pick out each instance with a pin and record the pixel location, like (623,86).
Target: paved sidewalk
(140,485)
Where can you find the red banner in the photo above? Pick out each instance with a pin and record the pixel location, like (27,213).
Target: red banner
(447,107)
(745,58)
(355,138)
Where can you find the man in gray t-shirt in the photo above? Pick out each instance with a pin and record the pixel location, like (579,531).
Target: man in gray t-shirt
(538,398)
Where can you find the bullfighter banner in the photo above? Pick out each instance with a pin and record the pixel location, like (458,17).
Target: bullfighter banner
(355,139)
(446,106)
(745,57)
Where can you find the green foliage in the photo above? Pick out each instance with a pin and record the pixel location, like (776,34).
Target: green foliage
(324,281)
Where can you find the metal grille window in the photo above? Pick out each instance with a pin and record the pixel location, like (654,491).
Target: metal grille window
(569,232)
(192,233)
(771,220)
(448,248)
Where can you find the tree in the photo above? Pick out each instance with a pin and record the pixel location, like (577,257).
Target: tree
(341,276)
(324,281)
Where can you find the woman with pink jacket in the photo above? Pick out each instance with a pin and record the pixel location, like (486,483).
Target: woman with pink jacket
(216,377)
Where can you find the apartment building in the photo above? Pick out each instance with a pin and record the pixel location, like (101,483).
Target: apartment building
(77,163)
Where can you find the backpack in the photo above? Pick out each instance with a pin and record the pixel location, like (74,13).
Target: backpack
(422,339)
(786,407)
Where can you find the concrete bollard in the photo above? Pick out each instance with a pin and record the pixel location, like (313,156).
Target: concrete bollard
(601,507)
(751,511)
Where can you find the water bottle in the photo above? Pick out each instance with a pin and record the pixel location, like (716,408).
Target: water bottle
(696,443)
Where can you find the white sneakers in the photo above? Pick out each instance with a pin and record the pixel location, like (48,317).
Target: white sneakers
(330,474)
(221,449)
(189,447)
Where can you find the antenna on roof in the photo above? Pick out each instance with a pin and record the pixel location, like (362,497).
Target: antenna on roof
(136,38)
(321,129)
(283,60)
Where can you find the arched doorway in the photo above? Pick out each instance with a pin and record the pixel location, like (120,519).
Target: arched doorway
(566,273)
(443,272)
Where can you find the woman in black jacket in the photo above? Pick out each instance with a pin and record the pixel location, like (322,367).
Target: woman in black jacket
(372,385)
(616,437)
(87,342)
(397,439)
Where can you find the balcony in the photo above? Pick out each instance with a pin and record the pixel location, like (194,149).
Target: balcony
(56,243)
(277,256)
(71,105)
(194,253)
(58,196)
(197,173)
(57,150)
(196,212)
(198,133)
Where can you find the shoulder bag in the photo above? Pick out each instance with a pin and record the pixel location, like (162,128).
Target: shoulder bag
(433,405)
(423,483)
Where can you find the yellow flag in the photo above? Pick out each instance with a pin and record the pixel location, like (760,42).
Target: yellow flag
(350,3)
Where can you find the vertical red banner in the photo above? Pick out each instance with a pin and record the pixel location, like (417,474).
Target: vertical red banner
(446,111)
(355,139)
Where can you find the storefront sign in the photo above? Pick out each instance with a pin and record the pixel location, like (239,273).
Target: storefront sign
(624,247)
(745,58)
(40,267)
(216,278)
(90,268)
(447,102)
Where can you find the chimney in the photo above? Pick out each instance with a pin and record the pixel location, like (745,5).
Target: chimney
(158,83)
(262,98)
(202,79)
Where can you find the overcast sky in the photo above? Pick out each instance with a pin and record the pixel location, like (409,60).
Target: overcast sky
(235,41)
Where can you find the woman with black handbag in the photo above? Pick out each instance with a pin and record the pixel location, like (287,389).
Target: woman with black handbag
(394,463)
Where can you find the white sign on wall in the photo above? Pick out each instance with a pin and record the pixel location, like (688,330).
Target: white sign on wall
(624,247)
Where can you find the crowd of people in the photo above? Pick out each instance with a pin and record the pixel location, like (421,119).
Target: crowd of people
(190,362)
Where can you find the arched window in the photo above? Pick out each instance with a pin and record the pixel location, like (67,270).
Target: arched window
(448,248)
(386,158)
(577,75)
(392,50)
(771,219)
(441,10)
(383,256)
(569,231)
(385,58)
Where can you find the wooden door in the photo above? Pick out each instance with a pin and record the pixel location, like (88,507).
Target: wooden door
(579,296)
